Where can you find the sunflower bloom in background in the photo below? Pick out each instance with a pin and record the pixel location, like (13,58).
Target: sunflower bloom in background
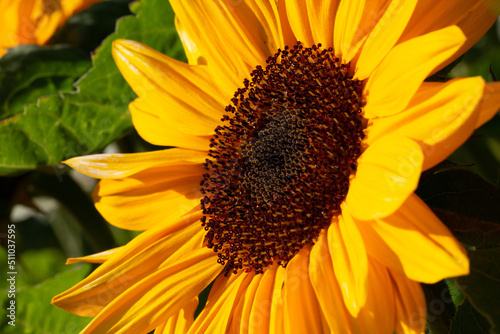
(301,129)
(34,21)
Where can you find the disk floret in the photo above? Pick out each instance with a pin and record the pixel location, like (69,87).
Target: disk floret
(281,161)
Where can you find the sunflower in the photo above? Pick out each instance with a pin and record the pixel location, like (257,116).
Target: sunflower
(300,130)
(34,21)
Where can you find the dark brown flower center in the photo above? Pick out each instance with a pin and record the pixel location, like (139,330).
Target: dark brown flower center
(280,164)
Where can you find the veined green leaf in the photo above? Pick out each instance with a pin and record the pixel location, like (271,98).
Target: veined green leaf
(86,120)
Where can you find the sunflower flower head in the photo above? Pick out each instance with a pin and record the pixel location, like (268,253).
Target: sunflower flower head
(301,129)
(280,165)
(34,21)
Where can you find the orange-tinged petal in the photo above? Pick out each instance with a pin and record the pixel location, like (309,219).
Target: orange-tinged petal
(398,77)
(95,258)
(296,11)
(327,288)
(276,324)
(114,166)
(180,322)
(414,242)
(181,94)
(148,252)
(440,117)
(221,302)
(388,172)
(377,316)
(260,313)
(149,198)
(490,104)
(311,21)
(410,305)
(193,53)
(147,304)
(384,36)
(346,39)
(349,259)
(159,131)
(240,322)
(35,21)
(223,28)
(302,313)
(274,23)
(473,17)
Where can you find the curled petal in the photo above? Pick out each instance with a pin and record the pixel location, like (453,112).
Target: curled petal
(302,313)
(95,258)
(221,302)
(440,117)
(145,254)
(396,80)
(349,260)
(415,243)
(115,166)
(157,297)
(388,172)
(181,322)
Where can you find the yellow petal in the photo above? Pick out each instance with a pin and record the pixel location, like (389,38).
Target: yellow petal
(230,37)
(114,166)
(302,313)
(298,17)
(221,302)
(377,316)
(440,117)
(276,324)
(473,17)
(327,288)
(260,313)
(349,259)
(35,21)
(410,305)
(95,258)
(388,172)
(158,131)
(414,242)
(181,322)
(311,21)
(384,36)
(149,198)
(274,24)
(148,252)
(346,38)
(193,53)
(240,322)
(147,304)
(394,82)
(490,104)
(181,94)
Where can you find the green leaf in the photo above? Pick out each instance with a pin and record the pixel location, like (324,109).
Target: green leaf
(35,314)
(85,121)
(482,285)
(30,71)
(468,320)
(35,266)
(456,294)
